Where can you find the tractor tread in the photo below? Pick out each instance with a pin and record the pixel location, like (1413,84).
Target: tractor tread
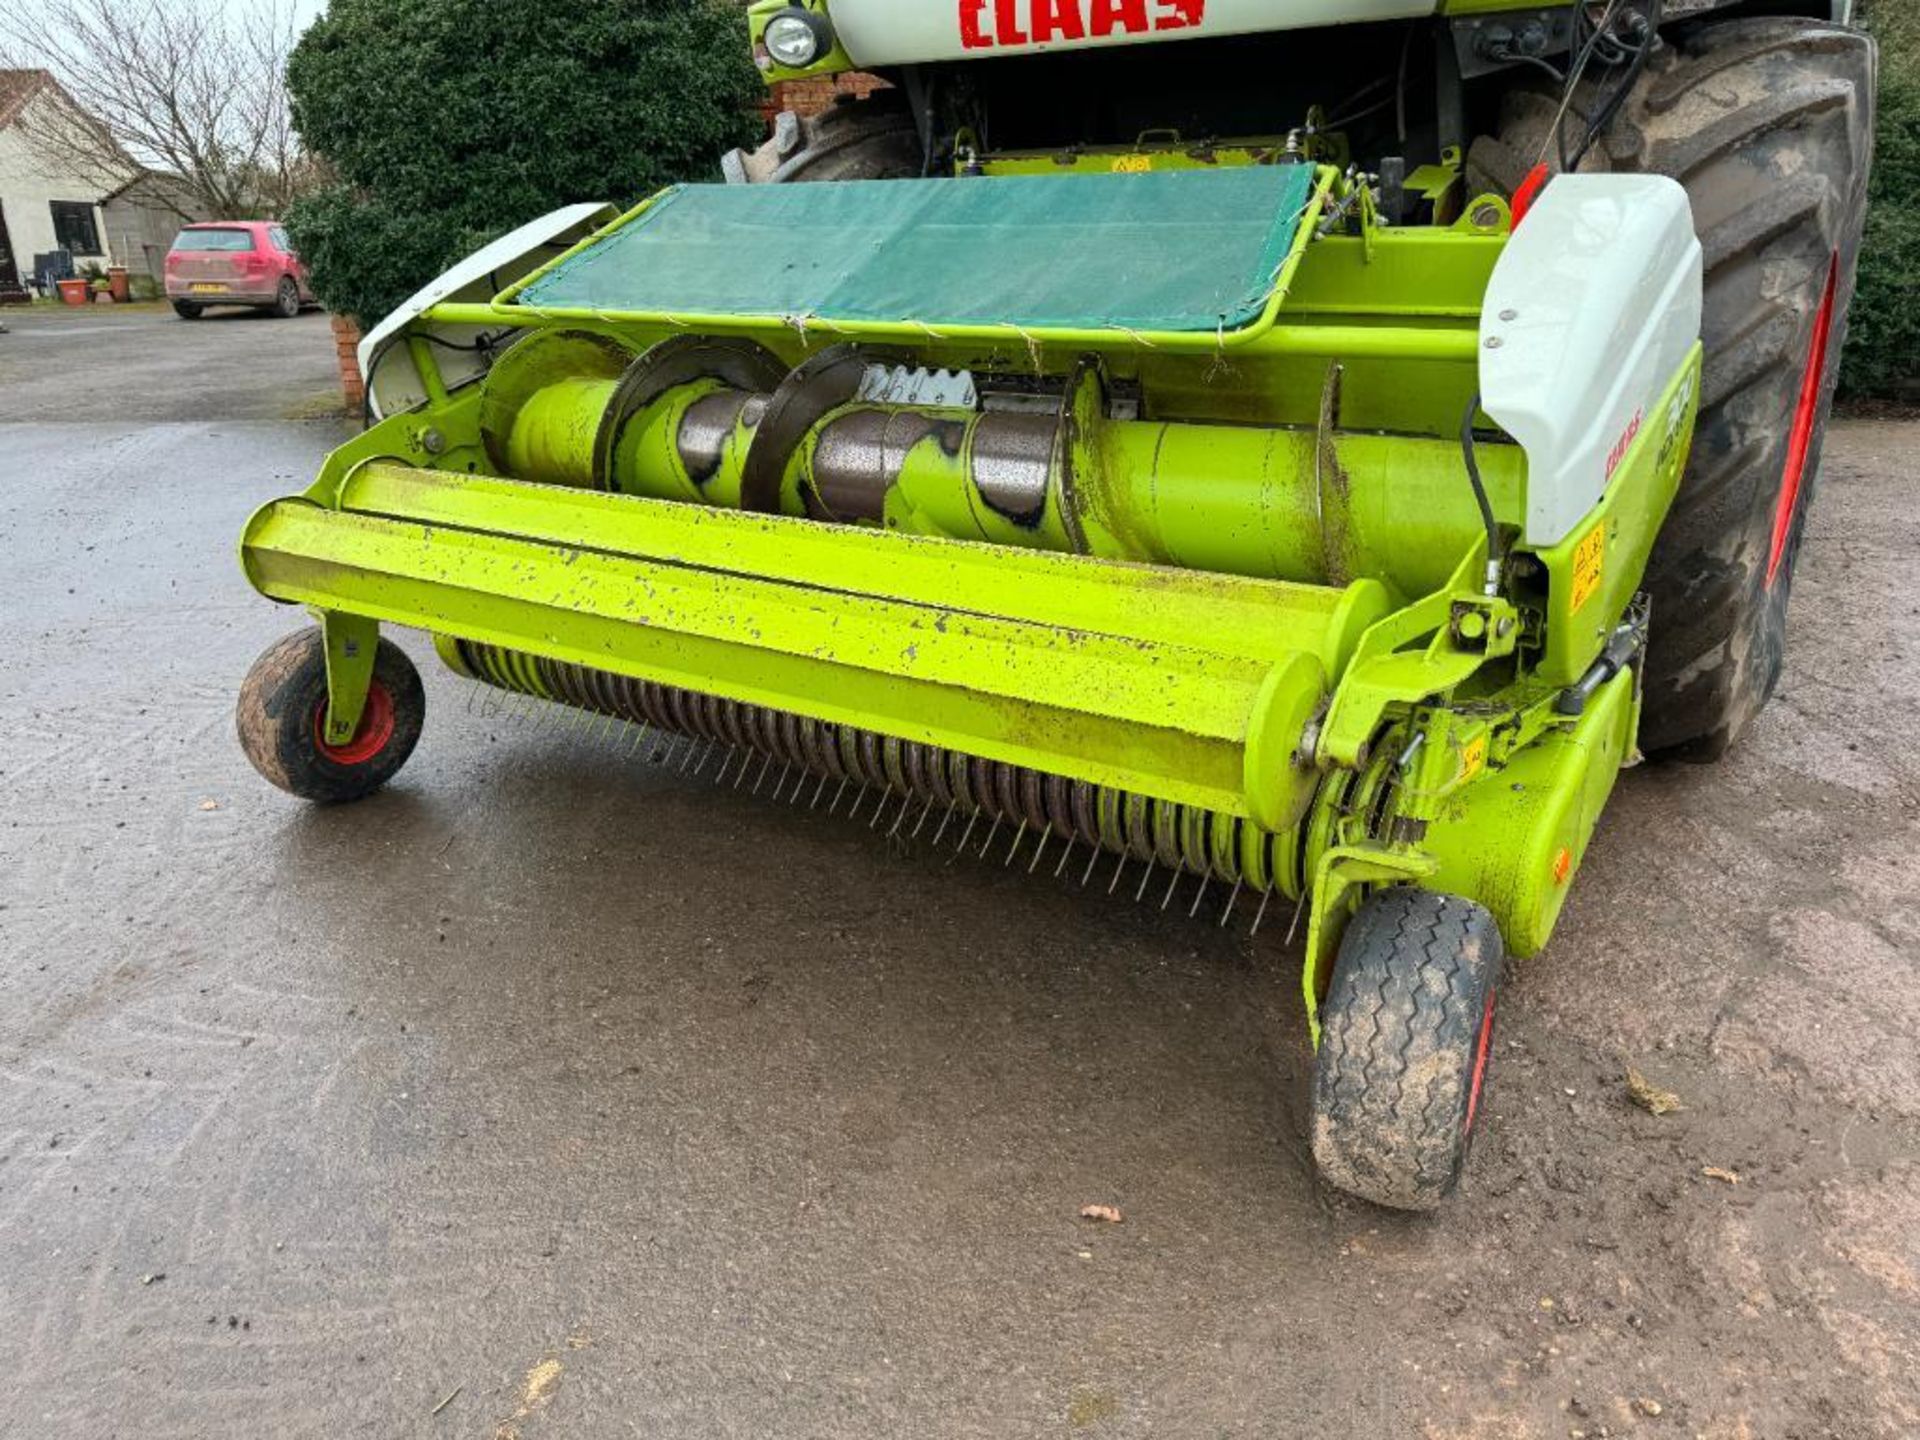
(1796,202)
(1757,40)
(872,137)
(1685,155)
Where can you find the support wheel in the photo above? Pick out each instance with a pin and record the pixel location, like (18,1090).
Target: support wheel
(188,310)
(282,720)
(1406,1031)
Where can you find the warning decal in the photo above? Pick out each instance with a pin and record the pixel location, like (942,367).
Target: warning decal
(1473,758)
(1589,564)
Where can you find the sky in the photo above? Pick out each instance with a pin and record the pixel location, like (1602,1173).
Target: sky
(304,10)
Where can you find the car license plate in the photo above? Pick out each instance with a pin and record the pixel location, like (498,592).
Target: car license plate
(205,288)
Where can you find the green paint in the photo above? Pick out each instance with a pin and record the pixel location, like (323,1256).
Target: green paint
(1245,577)
(351,643)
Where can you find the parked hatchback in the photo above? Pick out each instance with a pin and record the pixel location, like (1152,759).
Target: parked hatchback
(235,262)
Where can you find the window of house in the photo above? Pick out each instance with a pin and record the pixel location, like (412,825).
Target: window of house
(73,227)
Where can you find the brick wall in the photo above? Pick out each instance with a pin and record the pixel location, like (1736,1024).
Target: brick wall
(811,96)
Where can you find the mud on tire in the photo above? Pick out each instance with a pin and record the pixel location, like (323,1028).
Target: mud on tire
(1406,1030)
(282,708)
(1768,123)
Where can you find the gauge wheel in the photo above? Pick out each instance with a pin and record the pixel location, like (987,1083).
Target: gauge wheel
(282,718)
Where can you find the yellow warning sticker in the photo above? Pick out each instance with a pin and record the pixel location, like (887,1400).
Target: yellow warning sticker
(1589,565)
(1132,164)
(1473,757)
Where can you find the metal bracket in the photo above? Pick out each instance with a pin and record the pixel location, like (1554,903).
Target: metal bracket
(1503,39)
(1337,884)
(352,642)
(1385,671)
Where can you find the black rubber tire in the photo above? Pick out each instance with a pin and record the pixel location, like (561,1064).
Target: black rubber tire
(1768,123)
(188,310)
(286,300)
(1406,1031)
(870,138)
(284,699)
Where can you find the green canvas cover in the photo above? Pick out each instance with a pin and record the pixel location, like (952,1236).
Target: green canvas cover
(1181,251)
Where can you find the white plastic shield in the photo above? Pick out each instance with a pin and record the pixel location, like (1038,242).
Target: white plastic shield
(1592,309)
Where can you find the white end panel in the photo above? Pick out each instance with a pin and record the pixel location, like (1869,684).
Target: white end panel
(478,278)
(1592,308)
(904,32)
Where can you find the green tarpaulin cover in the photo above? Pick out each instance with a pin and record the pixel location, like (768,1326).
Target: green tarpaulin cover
(1185,250)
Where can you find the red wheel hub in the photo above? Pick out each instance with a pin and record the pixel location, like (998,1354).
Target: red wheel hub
(375,730)
(1480,1049)
(1805,414)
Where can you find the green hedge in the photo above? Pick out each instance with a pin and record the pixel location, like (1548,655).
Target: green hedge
(1883,346)
(448,122)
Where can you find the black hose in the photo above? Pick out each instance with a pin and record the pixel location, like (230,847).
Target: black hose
(1472,457)
(1514,57)
(1597,124)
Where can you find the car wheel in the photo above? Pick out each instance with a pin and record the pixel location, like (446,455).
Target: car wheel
(187,310)
(286,304)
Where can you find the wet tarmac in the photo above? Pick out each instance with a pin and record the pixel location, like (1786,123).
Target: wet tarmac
(553,1093)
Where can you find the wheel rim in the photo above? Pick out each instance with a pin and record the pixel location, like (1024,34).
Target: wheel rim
(375,729)
(1806,413)
(1480,1051)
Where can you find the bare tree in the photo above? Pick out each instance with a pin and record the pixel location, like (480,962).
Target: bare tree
(191,89)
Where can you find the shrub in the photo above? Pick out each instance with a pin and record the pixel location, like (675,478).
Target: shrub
(1883,344)
(448,122)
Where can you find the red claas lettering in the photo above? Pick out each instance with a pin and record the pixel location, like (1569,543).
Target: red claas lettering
(1008,24)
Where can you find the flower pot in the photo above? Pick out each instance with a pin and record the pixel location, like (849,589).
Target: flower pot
(118,285)
(74,292)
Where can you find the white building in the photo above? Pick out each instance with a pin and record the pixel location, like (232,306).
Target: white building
(47,201)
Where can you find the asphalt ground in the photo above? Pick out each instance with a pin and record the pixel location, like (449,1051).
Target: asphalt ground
(553,1093)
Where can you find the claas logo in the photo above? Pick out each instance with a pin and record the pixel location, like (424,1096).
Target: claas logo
(996,24)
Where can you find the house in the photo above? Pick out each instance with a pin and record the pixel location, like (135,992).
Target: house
(47,201)
(143,216)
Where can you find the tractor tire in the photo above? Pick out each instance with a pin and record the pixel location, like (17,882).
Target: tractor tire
(188,309)
(871,138)
(283,711)
(1768,123)
(1406,1032)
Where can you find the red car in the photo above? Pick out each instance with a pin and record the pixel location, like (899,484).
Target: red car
(235,262)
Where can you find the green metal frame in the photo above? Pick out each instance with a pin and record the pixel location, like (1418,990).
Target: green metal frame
(1309,647)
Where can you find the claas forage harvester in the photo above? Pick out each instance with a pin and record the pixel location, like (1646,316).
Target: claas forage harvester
(1288,450)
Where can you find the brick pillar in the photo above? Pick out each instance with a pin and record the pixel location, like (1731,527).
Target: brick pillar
(346,344)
